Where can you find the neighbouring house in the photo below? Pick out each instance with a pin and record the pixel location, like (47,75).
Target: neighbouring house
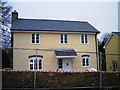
(112,50)
(54,45)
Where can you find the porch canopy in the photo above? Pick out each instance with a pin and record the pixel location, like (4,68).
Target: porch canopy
(65,53)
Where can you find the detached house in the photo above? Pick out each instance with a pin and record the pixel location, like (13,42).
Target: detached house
(53,44)
(112,50)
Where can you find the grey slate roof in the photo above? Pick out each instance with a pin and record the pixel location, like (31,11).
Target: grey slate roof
(116,33)
(52,25)
(65,52)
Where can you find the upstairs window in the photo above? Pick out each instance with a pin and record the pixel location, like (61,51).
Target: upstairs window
(35,38)
(84,38)
(63,38)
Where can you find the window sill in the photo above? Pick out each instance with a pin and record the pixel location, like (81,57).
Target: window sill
(86,66)
(84,43)
(64,43)
(35,43)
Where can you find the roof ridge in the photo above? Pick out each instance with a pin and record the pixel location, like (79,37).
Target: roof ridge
(60,20)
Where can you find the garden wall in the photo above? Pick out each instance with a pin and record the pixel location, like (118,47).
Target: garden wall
(45,79)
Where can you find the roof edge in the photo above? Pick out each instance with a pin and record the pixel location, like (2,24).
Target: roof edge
(61,20)
(56,31)
(116,34)
(109,39)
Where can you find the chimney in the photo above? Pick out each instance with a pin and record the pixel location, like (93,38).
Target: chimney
(14,15)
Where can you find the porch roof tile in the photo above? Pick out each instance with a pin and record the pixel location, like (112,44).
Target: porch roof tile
(65,52)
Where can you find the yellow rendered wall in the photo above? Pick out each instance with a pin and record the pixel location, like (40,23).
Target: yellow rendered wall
(112,52)
(51,41)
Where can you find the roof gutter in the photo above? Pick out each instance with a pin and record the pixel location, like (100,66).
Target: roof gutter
(24,30)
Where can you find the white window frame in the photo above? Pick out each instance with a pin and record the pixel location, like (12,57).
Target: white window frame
(34,58)
(86,57)
(35,38)
(63,38)
(83,39)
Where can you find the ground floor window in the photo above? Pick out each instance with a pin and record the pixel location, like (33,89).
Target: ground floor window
(85,61)
(35,63)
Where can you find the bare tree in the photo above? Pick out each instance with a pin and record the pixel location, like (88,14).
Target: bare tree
(102,40)
(5,33)
(5,19)
(104,37)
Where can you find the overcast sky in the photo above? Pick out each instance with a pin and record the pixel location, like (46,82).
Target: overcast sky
(103,15)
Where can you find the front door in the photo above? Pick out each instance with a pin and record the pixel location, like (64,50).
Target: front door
(67,65)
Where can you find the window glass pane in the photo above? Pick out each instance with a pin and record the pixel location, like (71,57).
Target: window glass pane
(31,61)
(33,38)
(82,38)
(65,35)
(33,35)
(61,38)
(37,40)
(65,39)
(61,35)
(40,64)
(83,61)
(60,64)
(86,41)
(31,64)
(35,64)
(33,41)
(87,62)
(31,67)
(37,37)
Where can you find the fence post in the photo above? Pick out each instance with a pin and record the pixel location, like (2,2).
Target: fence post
(35,70)
(100,70)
